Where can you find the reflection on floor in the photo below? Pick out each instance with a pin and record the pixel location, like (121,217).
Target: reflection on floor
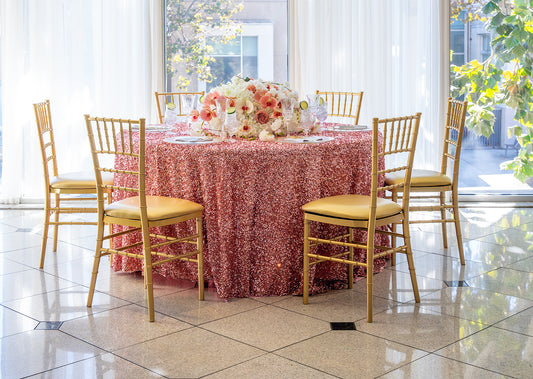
(473,321)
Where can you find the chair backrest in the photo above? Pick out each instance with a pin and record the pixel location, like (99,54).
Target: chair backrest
(43,118)
(163,98)
(393,151)
(453,136)
(343,104)
(114,139)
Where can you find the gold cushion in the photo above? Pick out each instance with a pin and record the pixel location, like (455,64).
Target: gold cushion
(78,180)
(351,207)
(158,208)
(420,178)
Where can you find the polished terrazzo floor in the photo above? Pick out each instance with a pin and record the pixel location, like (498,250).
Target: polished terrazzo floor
(473,321)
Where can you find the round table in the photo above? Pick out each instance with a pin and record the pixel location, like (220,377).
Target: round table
(252,193)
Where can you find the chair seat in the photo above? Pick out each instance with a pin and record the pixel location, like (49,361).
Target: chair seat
(78,180)
(351,207)
(421,178)
(158,208)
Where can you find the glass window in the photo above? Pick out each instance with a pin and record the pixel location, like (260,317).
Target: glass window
(256,51)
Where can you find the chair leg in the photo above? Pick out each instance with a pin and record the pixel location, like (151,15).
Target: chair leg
(45,229)
(410,260)
(96,263)
(350,257)
(393,238)
(199,257)
(369,273)
(56,219)
(443,218)
(457,223)
(307,225)
(148,280)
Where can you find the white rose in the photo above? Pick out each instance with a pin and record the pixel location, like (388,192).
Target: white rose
(265,135)
(276,125)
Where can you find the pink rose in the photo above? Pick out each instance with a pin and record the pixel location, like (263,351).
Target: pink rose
(262,117)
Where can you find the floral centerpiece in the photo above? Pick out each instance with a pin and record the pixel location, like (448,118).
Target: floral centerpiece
(256,105)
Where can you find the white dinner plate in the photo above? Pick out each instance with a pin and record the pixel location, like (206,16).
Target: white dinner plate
(189,140)
(152,128)
(349,128)
(308,139)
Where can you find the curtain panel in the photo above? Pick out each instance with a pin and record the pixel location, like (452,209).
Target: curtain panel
(396,51)
(98,57)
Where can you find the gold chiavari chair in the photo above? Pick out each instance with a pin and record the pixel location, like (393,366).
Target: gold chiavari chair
(392,138)
(437,183)
(139,213)
(343,105)
(163,98)
(70,186)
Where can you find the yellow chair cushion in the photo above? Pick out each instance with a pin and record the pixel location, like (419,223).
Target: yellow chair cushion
(420,178)
(351,207)
(78,180)
(158,208)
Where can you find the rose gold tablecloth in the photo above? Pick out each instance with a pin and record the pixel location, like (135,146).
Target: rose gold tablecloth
(252,192)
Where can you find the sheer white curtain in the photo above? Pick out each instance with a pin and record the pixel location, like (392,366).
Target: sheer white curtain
(101,57)
(396,51)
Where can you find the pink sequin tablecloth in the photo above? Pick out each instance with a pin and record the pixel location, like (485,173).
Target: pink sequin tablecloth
(252,192)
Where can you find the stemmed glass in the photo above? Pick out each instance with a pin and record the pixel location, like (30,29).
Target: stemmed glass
(189,102)
(222,106)
(319,109)
(171,116)
(287,109)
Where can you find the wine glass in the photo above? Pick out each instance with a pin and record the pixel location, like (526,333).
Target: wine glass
(222,106)
(287,109)
(189,102)
(171,116)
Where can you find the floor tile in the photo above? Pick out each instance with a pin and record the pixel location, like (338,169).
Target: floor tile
(519,323)
(130,286)
(523,265)
(14,322)
(396,285)
(416,327)
(279,327)
(489,253)
(438,367)
(190,353)
(445,268)
(101,366)
(121,327)
(350,354)
(63,304)
(185,306)
(7,266)
(270,366)
(474,304)
(335,306)
(495,349)
(35,282)
(506,281)
(33,352)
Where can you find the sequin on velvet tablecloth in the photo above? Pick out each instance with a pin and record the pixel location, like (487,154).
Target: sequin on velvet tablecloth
(252,192)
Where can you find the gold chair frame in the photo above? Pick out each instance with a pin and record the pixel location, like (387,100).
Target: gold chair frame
(373,214)
(62,186)
(115,137)
(438,182)
(343,104)
(163,98)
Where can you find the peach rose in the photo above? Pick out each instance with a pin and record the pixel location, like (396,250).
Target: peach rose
(262,117)
(207,114)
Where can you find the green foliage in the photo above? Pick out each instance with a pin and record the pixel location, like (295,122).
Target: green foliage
(504,78)
(189,24)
